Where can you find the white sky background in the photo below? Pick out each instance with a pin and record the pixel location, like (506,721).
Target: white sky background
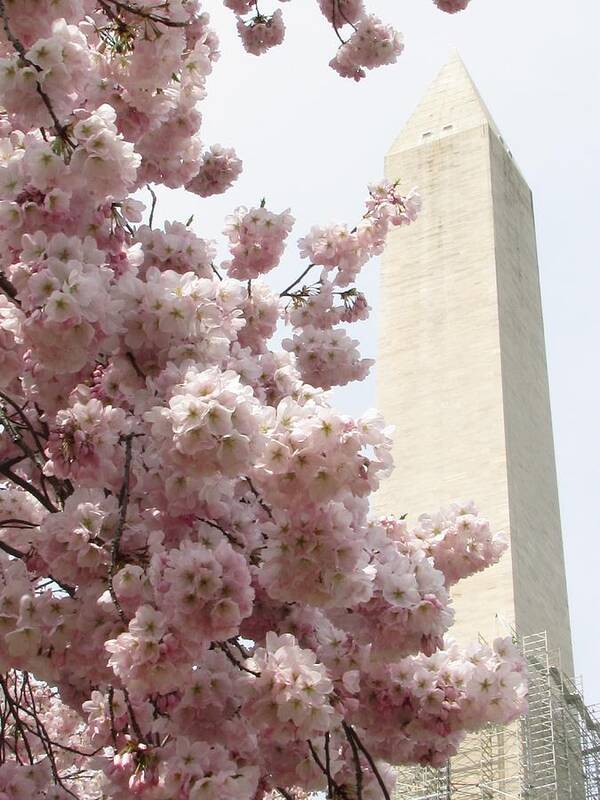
(312,141)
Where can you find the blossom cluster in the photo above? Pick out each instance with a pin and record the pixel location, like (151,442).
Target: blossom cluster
(370,42)
(195,600)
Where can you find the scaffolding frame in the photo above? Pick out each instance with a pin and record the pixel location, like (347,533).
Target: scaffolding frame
(552,753)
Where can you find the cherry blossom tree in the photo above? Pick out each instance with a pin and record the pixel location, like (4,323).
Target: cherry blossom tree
(194,600)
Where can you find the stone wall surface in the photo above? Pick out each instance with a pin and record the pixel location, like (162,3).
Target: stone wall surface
(461,369)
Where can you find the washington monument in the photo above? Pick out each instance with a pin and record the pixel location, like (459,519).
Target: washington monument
(462,367)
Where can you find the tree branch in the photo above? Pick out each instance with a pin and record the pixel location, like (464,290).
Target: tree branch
(123,503)
(339,790)
(12,551)
(286,292)
(148,15)
(17,719)
(261,502)
(356,758)
(60,129)
(153,207)
(369,758)
(61,489)
(7,472)
(229,536)
(223,647)
(8,288)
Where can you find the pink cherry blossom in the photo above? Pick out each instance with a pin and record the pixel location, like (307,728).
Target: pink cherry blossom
(195,601)
(451,6)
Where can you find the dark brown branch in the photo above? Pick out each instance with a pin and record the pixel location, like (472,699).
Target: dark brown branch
(135,365)
(134,722)
(18,46)
(153,207)
(15,713)
(10,462)
(60,487)
(286,292)
(11,551)
(370,760)
(328,765)
(45,739)
(123,503)
(26,424)
(19,524)
(342,15)
(334,7)
(285,794)
(339,790)
(243,650)
(261,502)
(8,288)
(8,473)
(222,646)
(356,759)
(130,8)
(111,711)
(229,536)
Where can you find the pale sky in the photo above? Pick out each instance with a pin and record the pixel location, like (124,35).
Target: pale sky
(312,141)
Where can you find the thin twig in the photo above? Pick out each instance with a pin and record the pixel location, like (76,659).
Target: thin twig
(222,646)
(28,488)
(12,551)
(356,758)
(135,365)
(18,46)
(333,22)
(342,15)
(18,723)
(60,487)
(286,292)
(139,12)
(153,207)
(8,288)
(111,711)
(261,502)
(243,650)
(339,790)
(134,722)
(123,503)
(328,765)
(372,763)
(229,536)
(15,522)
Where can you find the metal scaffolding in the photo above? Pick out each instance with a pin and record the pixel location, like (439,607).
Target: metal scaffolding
(553,753)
